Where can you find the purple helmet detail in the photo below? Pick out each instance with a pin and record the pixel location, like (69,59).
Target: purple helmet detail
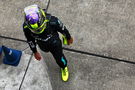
(32,18)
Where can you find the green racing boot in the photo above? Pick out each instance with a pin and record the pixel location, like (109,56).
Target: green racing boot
(64,74)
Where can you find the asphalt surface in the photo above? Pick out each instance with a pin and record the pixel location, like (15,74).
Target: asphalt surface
(100,27)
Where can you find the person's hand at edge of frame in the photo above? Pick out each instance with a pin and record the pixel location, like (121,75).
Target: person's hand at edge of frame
(37,56)
(70,41)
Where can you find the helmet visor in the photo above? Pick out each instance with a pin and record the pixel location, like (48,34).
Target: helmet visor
(39,29)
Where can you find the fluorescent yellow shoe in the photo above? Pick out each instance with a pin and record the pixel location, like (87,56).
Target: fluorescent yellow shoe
(64,74)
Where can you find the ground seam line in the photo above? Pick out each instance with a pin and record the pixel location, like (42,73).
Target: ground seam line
(81,52)
(26,71)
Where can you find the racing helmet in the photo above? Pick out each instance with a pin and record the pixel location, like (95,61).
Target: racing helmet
(35,19)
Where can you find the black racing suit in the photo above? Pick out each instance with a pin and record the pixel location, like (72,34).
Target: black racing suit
(48,40)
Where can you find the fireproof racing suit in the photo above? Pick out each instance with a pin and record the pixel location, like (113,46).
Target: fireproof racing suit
(48,40)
